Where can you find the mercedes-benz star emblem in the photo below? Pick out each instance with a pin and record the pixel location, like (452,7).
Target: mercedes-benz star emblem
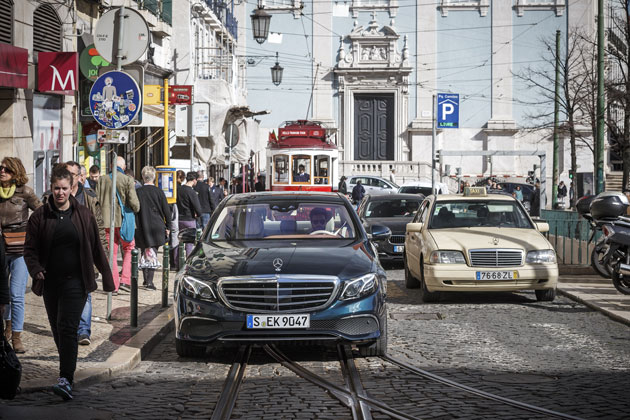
(277,264)
(495,241)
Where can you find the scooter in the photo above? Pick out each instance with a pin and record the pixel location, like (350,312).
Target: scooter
(601,246)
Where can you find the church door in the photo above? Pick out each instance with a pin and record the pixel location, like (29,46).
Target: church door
(373,127)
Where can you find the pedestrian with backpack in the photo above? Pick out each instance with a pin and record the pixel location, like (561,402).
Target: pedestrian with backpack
(125,205)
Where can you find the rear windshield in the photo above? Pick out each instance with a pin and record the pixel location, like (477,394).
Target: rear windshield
(392,208)
(283,220)
(426,191)
(491,213)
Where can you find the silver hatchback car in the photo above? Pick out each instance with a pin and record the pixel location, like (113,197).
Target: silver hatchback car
(374,185)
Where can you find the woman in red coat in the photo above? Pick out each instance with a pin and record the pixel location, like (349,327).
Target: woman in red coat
(62,247)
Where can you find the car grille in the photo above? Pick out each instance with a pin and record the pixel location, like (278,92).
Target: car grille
(397,239)
(496,257)
(278,293)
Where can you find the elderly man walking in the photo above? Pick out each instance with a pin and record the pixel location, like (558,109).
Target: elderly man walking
(126,192)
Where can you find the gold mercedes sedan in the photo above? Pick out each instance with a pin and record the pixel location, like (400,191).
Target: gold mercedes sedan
(478,242)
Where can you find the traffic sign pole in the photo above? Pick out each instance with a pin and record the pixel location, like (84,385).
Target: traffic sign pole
(166,137)
(433,122)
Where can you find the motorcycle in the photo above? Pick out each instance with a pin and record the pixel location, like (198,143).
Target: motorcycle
(601,246)
(617,235)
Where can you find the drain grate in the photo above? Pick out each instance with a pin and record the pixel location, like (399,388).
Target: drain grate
(412,316)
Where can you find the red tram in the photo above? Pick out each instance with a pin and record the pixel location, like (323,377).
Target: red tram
(302,158)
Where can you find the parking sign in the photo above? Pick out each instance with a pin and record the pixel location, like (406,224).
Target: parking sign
(448,110)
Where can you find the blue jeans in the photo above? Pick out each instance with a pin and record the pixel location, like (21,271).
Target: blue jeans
(205,218)
(85,325)
(17,289)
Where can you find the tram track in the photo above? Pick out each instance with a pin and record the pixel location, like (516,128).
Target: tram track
(352,394)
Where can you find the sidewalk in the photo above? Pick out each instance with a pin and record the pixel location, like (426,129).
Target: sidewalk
(115,347)
(597,293)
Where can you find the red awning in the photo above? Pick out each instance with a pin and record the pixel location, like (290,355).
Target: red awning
(13,66)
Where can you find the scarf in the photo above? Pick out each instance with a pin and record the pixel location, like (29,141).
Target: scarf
(7,193)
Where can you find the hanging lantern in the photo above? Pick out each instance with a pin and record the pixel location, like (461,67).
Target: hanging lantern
(260,24)
(276,72)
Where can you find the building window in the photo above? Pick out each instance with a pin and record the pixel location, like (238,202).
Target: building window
(481,6)
(556,5)
(6,21)
(46,29)
(390,6)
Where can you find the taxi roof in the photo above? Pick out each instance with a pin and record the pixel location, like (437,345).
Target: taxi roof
(462,197)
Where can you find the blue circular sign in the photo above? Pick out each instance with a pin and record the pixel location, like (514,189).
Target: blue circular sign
(115,99)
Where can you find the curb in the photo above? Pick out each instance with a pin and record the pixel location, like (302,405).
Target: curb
(568,269)
(610,314)
(123,359)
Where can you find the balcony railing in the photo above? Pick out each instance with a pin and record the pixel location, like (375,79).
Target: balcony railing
(163,9)
(225,12)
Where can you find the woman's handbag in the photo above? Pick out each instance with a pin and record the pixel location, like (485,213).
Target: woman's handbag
(10,369)
(14,242)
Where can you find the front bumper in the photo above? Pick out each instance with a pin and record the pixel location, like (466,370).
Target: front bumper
(460,277)
(389,252)
(356,322)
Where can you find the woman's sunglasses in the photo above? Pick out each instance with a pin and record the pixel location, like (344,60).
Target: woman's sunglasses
(5,169)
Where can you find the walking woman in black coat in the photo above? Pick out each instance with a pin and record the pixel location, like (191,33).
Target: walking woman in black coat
(152,227)
(62,247)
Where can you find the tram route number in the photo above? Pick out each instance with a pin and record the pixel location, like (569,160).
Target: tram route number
(279,321)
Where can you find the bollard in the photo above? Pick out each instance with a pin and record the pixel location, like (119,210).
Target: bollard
(134,288)
(182,255)
(165,269)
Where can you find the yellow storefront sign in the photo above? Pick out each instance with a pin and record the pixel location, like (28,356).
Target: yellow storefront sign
(152,95)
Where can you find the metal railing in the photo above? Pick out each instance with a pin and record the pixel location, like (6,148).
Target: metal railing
(569,234)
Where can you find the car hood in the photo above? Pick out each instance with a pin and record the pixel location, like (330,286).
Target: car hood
(209,262)
(397,225)
(489,237)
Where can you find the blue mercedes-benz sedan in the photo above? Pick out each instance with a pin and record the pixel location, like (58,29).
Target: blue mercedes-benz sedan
(283,267)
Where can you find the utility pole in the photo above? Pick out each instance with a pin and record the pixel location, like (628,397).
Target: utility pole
(433,145)
(599,167)
(556,134)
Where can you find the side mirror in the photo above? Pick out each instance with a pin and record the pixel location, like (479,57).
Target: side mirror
(188,235)
(380,233)
(414,227)
(542,227)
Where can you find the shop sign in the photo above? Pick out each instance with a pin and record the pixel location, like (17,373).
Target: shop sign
(90,61)
(180,94)
(58,72)
(13,66)
(115,99)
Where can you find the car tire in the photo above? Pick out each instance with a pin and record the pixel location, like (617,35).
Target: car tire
(188,349)
(410,281)
(379,347)
(425,295)
(547,295)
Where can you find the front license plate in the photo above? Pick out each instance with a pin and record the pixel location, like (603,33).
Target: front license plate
(497,275)
(399,248)
(278,321)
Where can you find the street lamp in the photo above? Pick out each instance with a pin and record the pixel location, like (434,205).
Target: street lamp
(260,24)
(276,72)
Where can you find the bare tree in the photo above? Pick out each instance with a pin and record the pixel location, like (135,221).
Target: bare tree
(618,83)
(577,92)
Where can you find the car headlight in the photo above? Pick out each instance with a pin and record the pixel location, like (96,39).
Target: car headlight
(360,287)
(197,288)
(447,257)
(541,256)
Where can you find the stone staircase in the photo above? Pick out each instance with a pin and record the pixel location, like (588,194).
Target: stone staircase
(613,182)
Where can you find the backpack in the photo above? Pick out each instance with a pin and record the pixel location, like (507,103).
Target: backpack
(128,225)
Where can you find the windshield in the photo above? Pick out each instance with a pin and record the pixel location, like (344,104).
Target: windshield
(491,213)
(391,208)
(426,191)
(283,220)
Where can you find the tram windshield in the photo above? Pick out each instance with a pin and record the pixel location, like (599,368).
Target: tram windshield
(301,169)
(281,169)
(322,173)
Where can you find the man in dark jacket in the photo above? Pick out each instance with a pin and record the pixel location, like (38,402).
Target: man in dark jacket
(357,193)
(216,194)
(188,205)
(535,207)
(203,193)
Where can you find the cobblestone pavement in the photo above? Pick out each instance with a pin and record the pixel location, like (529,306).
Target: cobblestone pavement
(559,355)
